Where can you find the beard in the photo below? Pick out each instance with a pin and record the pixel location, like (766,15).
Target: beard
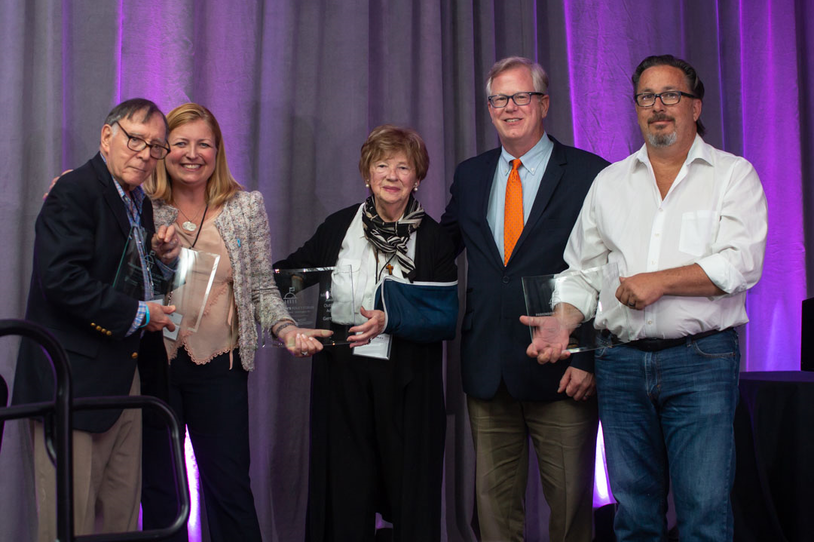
(662,140)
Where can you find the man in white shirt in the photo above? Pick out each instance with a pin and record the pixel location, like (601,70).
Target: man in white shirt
(686,225)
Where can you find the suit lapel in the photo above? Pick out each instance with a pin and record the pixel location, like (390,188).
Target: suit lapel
(551,178)
(483,190)
(111,195)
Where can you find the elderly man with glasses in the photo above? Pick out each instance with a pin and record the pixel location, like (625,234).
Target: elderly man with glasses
(686,223)
(81,233)
(512,208)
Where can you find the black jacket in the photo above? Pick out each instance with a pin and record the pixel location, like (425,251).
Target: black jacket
(81,232)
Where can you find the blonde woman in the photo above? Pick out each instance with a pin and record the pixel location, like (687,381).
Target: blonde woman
(208,370)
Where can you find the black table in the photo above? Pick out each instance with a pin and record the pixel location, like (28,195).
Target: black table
(773,497)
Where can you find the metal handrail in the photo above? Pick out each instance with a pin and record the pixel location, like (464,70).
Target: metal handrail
(62,408)
(3,401)
(181,486)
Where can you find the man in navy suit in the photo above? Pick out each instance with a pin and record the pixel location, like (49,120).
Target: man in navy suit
(81,232)
(509,396)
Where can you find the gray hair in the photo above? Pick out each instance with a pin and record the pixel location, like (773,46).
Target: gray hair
(128,109)
(538,74)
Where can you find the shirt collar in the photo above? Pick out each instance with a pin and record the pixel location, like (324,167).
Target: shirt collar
(698,151)
(136,194)
(532,160)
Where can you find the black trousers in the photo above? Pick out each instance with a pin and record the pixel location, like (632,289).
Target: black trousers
(377,445)
(212,401)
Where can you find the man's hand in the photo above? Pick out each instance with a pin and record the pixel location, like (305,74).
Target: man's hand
(364,333)
(301,342)
(644,289)
(640,291)
(550,341)
(159,317)
(577,384)
(166,244)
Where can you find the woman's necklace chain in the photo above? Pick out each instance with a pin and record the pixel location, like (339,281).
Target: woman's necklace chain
(190,225)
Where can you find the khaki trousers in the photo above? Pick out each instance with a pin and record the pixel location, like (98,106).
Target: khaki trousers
(564,438)
(106,477)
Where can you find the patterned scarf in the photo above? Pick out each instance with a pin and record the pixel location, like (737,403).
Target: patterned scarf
(391,237)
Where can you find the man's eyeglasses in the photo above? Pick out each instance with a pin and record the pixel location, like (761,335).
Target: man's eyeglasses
(137,144)
(671,97)
(499,101)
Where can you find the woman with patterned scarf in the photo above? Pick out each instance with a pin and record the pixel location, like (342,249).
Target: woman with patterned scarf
(377,404)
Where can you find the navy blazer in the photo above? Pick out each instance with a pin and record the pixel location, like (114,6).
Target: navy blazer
(81,233)
(493,341)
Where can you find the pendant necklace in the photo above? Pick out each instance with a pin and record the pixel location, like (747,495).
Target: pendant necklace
(190,225)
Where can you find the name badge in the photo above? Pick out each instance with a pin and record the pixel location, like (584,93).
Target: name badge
(379,347)
(176,319)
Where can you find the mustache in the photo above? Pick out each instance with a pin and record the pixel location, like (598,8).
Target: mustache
(659,117)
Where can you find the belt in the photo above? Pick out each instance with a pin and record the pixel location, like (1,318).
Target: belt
(656,345)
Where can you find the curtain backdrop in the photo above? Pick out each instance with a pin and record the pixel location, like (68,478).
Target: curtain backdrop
(298,84)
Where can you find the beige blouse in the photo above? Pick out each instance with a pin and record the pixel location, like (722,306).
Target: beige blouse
(217,331)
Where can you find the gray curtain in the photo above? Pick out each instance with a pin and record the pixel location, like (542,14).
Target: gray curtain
(298,84)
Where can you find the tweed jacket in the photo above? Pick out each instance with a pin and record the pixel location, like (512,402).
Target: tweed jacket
(243,225)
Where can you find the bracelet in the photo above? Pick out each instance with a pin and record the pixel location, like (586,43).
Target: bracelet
(282,327)
(146,319)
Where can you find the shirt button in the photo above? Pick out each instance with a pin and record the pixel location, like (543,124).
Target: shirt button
(650,322)
(134,355)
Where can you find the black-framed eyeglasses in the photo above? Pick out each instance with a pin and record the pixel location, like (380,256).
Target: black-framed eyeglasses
(671,97)
(137,144)
(499,101)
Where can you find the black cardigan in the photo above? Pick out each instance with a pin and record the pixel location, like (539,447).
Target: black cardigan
(420,423)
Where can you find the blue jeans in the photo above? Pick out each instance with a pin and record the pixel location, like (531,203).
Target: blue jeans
(667,418)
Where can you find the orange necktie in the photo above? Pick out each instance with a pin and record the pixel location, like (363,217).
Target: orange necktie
(512,212)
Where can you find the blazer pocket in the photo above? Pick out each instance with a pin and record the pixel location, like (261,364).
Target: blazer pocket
(77,342)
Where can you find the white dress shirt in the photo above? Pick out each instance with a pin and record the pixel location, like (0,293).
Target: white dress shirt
(531,173)
(714,215)
(367,267)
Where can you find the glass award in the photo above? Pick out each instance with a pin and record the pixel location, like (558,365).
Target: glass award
(319,298)
(187,286)
(140,277)
(191,285)
(570,305)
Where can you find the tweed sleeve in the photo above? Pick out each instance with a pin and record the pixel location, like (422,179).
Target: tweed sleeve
(268,305)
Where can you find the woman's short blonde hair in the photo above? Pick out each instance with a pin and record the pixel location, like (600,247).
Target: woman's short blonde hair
(221,186)
(387,139)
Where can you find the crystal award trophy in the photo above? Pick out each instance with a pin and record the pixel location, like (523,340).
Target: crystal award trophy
(562,301)
(319,298)
(187,285)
